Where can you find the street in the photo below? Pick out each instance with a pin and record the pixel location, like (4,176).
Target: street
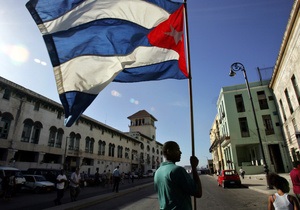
(214,198)
(28,200)
(144,198)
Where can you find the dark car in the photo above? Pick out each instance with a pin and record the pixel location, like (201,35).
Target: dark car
(229,178)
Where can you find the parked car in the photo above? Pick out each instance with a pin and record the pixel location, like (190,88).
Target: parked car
(49,174)
(38,183)
(19,178)
(229,178)
(151,172)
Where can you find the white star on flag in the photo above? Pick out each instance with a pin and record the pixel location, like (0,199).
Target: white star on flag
(177,35)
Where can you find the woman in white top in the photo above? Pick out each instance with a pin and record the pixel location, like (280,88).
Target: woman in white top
(281,200)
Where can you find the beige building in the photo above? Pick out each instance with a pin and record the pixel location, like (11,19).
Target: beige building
(285,83)
(33,135)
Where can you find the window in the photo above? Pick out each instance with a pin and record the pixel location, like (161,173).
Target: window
(26,133)
(268,124)
(71,141)
(262,100)
(89,145)
(5,124)
(36,132)
(101,150)
(295,125)
(127,150)
(52,135)
(59,138)
(288,134)
(111,151)
(239,103)
(76,142)
(282,109)
(287,96)
(296,88)
(120,151)
(244,127)
(7,94)
(36,106)
(58,115)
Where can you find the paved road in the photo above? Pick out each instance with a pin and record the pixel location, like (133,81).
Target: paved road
(214,198)
(131,196)
(31,201)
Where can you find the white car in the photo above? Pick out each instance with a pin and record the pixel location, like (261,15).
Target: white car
(19,179)
(38,183)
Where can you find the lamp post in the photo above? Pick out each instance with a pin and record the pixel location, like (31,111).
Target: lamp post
(240,67)
(65,154)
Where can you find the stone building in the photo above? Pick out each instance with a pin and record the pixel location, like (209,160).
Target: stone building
(285,83)
(33,135)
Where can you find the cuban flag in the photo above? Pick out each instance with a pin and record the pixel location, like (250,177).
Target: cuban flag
(94,42)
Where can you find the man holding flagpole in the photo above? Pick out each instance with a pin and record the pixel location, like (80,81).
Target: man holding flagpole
(173,184)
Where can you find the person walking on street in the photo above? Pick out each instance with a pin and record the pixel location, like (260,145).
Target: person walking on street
(61,181)
(97,177)
(173,184)
(281,200)
(109,178)
(116,179)
(295,177)
(74,185)
(5,186)
(242,173)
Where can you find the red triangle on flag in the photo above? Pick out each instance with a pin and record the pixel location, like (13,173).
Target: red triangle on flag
(170,34)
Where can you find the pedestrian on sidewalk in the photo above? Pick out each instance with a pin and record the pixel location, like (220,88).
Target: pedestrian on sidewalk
(295,177)
(61,180)
(116,179)
(281,200)
(74,185)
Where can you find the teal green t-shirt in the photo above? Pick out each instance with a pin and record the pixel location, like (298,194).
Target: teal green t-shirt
(174,187)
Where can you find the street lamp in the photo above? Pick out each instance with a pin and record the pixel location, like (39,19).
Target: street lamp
(65,154)
(240,67)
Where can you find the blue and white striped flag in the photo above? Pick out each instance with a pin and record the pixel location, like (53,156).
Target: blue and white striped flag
(94,42)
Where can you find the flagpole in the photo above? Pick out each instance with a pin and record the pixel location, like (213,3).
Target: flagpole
(190,84)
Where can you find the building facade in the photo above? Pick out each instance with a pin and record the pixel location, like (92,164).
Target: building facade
(285,83)
(33,135)
(234,133)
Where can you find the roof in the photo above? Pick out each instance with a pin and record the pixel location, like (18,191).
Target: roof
(140,114)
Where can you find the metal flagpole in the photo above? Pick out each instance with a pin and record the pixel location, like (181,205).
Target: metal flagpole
(190,84)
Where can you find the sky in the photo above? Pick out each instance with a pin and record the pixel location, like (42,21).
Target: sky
(221,32)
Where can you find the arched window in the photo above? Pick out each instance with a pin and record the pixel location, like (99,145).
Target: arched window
(101,150)
(111,151)
(89,144)
(35,137)
(120,152)
(5,122)
(52,135)
(60,134)
(27,128)
(71,141)
(77,142)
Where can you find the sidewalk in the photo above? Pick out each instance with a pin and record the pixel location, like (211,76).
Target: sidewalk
(259,183)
